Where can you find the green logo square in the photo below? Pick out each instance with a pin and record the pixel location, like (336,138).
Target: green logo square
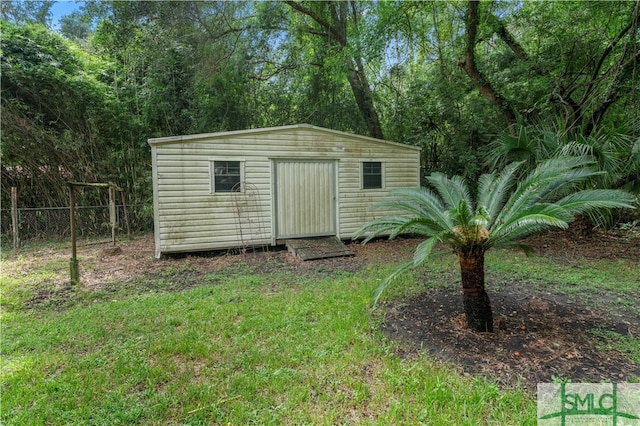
(565,404)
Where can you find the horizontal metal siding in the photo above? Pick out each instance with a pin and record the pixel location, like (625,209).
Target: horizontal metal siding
(402,169)
(192,218)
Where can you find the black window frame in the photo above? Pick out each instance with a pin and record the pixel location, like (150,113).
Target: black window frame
(372,175)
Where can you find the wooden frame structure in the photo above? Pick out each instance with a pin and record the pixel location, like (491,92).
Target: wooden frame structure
(73,264)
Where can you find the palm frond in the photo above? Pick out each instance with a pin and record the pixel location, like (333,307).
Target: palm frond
(507,148)
(461,214)
(380,226)
(522,230)
(411,200)
(424,249)
(420,211)
(493,191)
(482,217)
(543,209)
(451,190)
(550,181)
(385,283)
(610,153)
(594,199)
(576,149)
(417,202)
(534,219)
(421,226)
(525,213)
(421,253)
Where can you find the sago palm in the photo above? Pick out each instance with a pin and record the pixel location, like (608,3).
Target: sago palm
(506,208)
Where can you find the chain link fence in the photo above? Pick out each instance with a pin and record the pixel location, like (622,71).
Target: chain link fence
(91,221)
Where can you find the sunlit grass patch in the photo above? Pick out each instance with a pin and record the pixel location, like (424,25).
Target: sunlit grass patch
(240,345)
(239,351)
(609,284)
(23,279)
(626,344)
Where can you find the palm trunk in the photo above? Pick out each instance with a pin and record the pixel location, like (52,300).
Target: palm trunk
(477,306)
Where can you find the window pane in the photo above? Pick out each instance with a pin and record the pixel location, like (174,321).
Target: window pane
(372,182)
(226,184)
(371,168)
(226,176)
(372,175)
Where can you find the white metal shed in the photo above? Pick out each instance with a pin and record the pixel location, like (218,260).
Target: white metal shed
(261,186)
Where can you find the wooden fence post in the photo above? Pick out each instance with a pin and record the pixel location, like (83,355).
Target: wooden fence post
(73,265)
(112,213)
(14,219)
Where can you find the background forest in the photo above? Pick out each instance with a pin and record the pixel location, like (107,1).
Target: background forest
(475,85)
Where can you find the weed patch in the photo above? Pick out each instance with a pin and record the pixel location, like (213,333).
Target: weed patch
(613,341)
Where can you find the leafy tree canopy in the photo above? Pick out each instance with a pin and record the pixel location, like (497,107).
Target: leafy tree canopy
(475,84)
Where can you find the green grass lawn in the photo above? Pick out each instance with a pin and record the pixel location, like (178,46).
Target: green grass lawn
(268,348)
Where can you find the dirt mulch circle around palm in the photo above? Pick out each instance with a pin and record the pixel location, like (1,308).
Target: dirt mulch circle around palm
(540,336)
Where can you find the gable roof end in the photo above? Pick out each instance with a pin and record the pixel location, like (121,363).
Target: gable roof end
(220,135)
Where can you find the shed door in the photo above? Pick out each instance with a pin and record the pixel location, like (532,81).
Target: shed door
(304,198)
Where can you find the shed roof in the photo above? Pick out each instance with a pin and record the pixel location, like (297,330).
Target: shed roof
(225,135)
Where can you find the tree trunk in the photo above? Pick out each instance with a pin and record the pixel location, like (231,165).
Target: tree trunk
(477,306)
(336,30)
(478,79)
(364,99)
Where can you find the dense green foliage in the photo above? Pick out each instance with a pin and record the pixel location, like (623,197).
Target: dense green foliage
(62,119)
(461,80)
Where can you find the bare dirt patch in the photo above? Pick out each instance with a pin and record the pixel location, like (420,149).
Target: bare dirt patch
(594,245)
(540,336)
(137,259)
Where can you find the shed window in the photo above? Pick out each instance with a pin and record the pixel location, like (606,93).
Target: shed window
(226,176)
(371,175)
